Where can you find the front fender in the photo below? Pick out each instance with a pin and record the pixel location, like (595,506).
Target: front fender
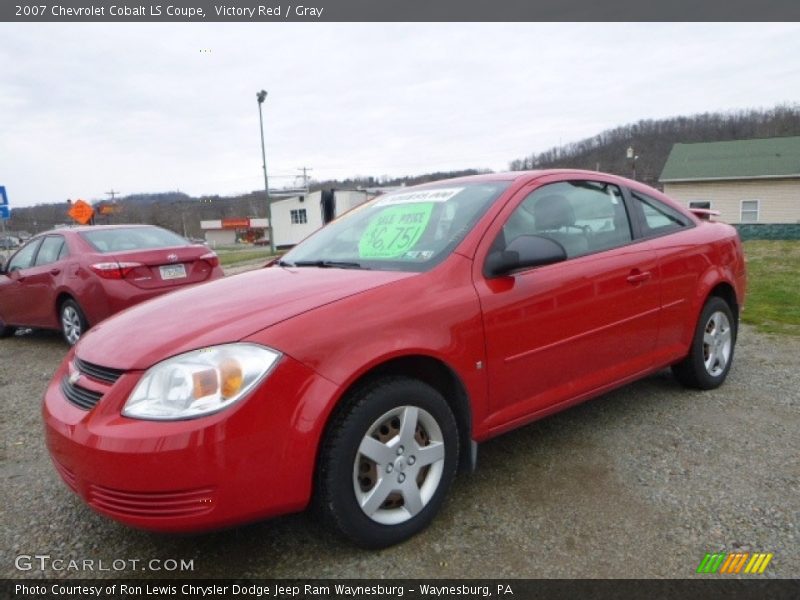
(434,314)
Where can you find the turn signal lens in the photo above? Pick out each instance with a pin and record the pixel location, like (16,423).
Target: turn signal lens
(231,376)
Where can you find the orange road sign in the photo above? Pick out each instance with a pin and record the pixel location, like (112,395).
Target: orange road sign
(81,211)
(108,209)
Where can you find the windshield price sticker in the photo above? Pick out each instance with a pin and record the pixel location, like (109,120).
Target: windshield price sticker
(440,195)
(395,230)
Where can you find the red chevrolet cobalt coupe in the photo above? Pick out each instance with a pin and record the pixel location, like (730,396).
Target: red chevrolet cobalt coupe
(359,373)
(71,279)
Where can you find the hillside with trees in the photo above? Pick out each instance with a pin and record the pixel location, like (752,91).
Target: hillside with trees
(652,141)
(182,213)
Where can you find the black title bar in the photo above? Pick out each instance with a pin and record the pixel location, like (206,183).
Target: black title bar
(711,588)
(33,11)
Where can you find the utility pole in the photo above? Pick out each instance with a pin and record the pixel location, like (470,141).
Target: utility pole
(305,175)
(113,193)
(261,96)
(633,157)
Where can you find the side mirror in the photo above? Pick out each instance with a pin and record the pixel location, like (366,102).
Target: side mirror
(2,266)
(524,252)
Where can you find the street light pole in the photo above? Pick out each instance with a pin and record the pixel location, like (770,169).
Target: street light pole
(633,158)
(261,96)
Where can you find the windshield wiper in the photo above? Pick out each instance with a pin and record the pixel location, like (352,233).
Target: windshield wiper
(326,264)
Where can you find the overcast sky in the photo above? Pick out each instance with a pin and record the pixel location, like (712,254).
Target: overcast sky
(85,108)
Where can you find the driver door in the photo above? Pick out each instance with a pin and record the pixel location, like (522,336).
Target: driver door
(558,332)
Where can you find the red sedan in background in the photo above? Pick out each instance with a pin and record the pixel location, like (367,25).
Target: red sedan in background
(360,371)
(73,278)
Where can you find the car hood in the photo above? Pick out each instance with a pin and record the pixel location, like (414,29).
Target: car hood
(223,311)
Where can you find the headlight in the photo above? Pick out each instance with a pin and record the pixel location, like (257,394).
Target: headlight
(199,383)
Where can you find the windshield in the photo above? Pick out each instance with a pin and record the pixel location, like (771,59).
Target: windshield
(402,231)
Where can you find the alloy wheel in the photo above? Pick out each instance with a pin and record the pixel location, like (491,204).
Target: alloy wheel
(399,465)
(717,343)
(71,323)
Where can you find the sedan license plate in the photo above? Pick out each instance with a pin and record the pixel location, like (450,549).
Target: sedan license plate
(173,272)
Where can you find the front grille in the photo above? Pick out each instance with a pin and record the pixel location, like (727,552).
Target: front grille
(105,374)
(185,503)
(79,396)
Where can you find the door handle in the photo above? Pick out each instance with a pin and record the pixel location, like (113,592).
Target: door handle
(55,271)
(637,276)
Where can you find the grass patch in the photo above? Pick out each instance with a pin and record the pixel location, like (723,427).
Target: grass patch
(227,259)
(773,286)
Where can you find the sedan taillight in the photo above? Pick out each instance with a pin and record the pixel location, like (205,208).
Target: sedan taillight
(114,270)
(211,258)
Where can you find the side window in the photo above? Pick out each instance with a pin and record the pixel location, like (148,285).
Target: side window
(24,258)
(64,252)
(50,250)
(658,217)
(583,216)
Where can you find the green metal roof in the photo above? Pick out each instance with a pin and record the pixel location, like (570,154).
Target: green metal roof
(740,159)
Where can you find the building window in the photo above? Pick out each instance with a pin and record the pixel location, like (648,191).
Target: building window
(299,216)
(705,204)
(749,211)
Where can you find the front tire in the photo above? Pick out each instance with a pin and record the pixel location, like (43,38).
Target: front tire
(711,354)
(388,459)
(73,321)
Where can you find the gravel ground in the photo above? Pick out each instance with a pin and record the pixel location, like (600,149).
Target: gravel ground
(639,483)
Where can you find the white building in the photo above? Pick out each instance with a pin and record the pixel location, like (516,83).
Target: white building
(298,217)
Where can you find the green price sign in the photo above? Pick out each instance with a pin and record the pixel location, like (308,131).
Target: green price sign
(395,230)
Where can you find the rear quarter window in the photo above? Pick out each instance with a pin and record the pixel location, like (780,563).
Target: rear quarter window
(658,218)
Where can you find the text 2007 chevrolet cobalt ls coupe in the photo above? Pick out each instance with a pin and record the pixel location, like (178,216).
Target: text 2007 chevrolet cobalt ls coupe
(359,372)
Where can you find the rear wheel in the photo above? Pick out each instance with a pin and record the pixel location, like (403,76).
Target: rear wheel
(711,353)
(387,462)
(73,322)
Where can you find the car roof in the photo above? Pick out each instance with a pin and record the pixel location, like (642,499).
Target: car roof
(81,228)
(515,175)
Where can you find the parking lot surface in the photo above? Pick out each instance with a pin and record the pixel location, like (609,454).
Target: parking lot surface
(641,482)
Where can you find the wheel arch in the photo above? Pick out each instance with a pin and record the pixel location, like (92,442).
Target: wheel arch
(62,297)
(719,282)
(430,370)
(726,291)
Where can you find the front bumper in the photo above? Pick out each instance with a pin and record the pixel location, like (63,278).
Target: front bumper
(254,460)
